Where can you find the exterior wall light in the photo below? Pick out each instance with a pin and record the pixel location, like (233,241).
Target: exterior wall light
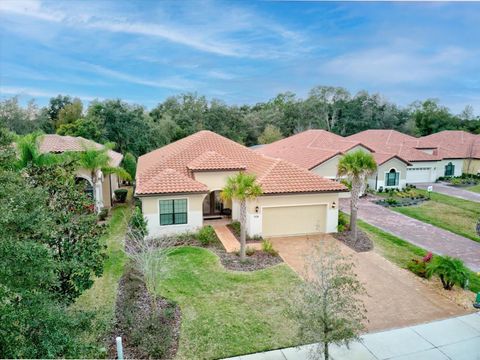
(256,209)
(334,205)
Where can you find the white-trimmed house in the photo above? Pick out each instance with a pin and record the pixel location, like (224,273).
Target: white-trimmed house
(179,186)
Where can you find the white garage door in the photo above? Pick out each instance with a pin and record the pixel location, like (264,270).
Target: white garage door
(293,220)
(418,174)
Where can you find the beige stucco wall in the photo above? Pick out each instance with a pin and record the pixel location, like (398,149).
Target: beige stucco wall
(471,166)
(107,195)
(329,168)
(150,208)
(394,163)
(215,180)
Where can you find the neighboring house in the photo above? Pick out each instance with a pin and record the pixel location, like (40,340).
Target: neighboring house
(180,185)
(459,150)
(320,151)
(447,153)
(106,184)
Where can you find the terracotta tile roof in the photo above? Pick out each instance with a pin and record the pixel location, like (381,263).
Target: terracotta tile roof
(451,144)
(275,176)
(309,148)
(58,144)
(393,142)
(211,160)
(171,181)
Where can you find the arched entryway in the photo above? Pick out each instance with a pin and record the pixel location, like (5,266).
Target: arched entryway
(213,205)
(85,185)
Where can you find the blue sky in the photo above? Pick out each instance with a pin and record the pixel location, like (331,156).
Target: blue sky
(238,51)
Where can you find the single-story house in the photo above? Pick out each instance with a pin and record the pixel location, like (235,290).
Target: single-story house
(460,151)
(106,184)
(320,151)
(180,186)
(447,153)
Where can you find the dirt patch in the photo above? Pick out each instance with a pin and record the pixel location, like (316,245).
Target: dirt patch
(148,330)
(363,243)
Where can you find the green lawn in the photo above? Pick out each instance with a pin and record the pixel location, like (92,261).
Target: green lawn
(450,213)
(101,297)
(400,252)
(227,313)
(475,188)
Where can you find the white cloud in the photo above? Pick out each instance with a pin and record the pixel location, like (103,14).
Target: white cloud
(395,66)
(33,92)
(213,31)
(219,74)
(170,82)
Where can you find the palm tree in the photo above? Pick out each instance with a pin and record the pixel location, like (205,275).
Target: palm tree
(95,160)
(451,271)
(29,153)
(242,187)
(357,166)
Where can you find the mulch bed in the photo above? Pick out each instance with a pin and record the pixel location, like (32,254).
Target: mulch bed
(146,332)
(363,243)
(248,240)
(259,260)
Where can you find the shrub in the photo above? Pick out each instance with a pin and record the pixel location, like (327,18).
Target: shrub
(456,181)
(250,251)
(342,222)
(102,215)
(206,235)
(420,267)
(380,189)
(235,226)
(267,247)
(391,201)
(451,271)
(121,195)
(138,222)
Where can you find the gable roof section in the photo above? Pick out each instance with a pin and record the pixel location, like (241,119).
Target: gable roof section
(452,144)
(393,142)
(211,161)
(206,149)
(54,143)
(310,148)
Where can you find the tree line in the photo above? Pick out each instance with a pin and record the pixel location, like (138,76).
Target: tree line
(137,130)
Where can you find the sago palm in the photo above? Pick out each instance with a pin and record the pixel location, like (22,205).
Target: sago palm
(242,187)
(95,160)
(356,166)
(450,271)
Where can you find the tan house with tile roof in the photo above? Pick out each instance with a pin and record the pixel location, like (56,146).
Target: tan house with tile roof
(180,186)
(106,185)
(320,151)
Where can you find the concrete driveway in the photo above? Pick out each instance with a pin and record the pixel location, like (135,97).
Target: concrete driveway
(443,188)
(397,297)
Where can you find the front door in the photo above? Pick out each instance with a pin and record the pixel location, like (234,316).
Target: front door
(212,205)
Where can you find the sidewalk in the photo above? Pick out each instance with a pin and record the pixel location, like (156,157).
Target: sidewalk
(455,338)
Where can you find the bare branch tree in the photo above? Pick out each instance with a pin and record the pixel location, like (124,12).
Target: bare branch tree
(328,306)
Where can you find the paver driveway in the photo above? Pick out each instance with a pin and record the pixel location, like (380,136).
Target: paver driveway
(396,297)
(451,191)
(427,236)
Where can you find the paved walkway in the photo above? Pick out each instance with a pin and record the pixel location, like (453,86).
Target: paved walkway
(229,241)
(396,298)
(452,191)
(427,236)
(455,338)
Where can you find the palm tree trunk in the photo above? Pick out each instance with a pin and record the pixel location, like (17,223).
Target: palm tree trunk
(355,194)
(243,225)
(94,184)
(326,355)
